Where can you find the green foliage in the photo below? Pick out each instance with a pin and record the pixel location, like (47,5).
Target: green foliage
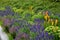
(40,16)
(1,22)
(6,29)
(31,22)
(53,30)
(2,8)
(32,35)
(25,29)
(37,4)
(54,16)
(22,8)
(10,37)
(16,24)
(17,10)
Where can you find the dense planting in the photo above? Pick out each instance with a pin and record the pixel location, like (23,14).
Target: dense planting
(30,20)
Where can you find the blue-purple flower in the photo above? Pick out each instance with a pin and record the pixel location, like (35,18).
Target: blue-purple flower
(37,28)
(44,36)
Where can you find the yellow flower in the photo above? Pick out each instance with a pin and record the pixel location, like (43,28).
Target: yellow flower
(45,17)
(56,21)
(52,21)
(48,17)
(48,20)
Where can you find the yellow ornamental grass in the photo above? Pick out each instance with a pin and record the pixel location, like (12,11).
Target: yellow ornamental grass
(49,28)
(55,29)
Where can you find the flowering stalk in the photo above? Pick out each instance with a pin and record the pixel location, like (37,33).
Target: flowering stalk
(46,17)
(56,21)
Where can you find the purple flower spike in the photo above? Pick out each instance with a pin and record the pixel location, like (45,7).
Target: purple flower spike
(37,20)
(16,28)
(44,36)
(37,38)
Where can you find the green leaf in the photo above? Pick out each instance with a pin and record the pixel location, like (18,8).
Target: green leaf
(10,37)
(1,22)
(32,35)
